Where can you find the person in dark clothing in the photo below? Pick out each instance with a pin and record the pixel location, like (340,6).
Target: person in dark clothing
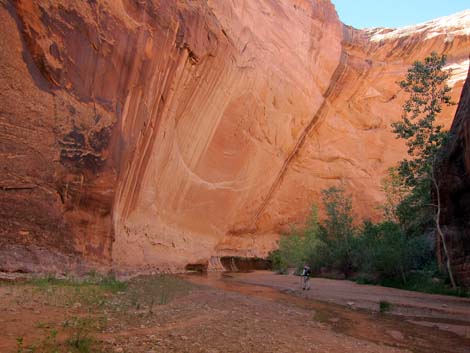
(306,277)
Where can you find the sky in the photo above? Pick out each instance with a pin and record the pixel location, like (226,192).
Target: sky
(395,13)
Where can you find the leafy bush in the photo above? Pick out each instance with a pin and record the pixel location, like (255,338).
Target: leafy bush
(428,279)
(384,306)
(396,252)
(374,253)
(336,248)
(330,245)
(296,247)
(387,252)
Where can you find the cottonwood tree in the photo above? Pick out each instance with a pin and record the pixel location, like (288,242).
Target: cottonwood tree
(427,89)
(337,232)
(395,192)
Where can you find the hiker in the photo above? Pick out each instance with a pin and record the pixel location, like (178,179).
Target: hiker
(306,277)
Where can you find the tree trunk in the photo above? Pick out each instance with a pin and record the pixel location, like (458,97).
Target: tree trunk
(440,260)
(439,230)
(403,276)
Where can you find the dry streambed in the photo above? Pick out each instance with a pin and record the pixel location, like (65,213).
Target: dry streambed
(208,314)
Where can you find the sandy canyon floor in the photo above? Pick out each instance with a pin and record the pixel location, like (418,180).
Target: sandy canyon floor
(252,312)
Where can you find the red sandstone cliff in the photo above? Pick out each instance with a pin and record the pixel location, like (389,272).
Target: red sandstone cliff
(147,133)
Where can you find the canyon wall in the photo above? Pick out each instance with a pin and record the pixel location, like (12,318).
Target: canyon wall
(454,184)
(153,134)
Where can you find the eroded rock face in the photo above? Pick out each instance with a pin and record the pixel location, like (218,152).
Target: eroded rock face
(454,182)
(147,133)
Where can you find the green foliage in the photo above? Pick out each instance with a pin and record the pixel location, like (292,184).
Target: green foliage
(19,345)
(111,284)
(427,92)
(336,249)
(165,291)
(108,283)
(426,85)
(384,306)
(81,340)
(329,245)
(277,261)
(291,250)
(427,279)
(377,253)
(395,193)
(81,344)
(339,221)
(91,290)
(387,252)
(415,212)
(323,316)
(49,343)
(297,247)
(133,304)
(146,291)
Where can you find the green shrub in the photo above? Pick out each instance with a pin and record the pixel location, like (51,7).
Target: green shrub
(336,248)
(394,253)
(81,340)
(277,261)
(297,247)
(384,306)
(111,284)
(386,251)
(428,280)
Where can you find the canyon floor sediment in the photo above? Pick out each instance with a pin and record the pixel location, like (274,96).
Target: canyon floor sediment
(254,312)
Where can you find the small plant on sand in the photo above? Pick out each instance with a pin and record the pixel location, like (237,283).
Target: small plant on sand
(112,284)
(81,343)
(47,344)
(41,324)
(152,302)
(145,292)
(109,283)
(322,316)
(19,345)
(384,306)
(81,339)
(165,291)
(91,290)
